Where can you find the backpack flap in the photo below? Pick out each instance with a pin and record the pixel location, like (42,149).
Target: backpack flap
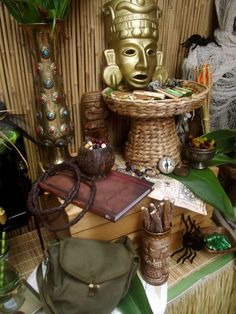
(94,262)
(88,275)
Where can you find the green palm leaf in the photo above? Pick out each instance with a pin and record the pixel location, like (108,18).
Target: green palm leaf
(31,13)
(13,9)
(222,159)
(135,301)
(4,140)
(224,139)
(37,11)
(207,187)
(64,8)
(23,11)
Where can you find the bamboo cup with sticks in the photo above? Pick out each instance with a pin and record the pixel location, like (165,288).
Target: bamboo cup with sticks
(157,223)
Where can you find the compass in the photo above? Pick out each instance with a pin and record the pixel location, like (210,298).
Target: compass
(166,164)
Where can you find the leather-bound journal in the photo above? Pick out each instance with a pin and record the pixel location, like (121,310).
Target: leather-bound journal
(115,195)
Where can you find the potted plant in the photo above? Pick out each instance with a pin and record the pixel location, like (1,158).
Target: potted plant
(204,183)
(38,11)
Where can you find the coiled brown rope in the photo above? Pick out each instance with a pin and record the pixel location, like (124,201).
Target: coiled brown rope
(43,215)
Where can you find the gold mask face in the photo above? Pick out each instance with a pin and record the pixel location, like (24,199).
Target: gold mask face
(136,58)
(132,34)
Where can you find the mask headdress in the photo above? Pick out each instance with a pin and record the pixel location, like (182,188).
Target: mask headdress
(131,19)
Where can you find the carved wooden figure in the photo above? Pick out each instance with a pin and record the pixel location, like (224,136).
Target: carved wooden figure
(94,115)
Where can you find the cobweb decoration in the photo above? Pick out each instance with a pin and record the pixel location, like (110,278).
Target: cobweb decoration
(223,64)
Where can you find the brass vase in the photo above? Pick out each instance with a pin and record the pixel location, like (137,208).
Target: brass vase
(53,125)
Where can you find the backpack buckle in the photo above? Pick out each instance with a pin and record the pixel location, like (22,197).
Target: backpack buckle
(93,288)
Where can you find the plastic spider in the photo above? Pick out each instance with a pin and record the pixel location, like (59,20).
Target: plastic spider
(198,40)
(192,241)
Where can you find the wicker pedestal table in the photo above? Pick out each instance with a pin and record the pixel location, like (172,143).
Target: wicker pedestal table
(153,132)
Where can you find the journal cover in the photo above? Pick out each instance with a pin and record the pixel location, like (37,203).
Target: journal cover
(115,195)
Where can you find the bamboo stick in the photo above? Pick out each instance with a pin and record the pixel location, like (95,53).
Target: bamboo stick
(5,52)
(183,35)
(13,65)
(63,62)
(1,89)
(4,88)
(75,99)
(21,74)
(80,47)
(16,106)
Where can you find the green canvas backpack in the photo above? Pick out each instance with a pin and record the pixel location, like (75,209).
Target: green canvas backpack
(86,276)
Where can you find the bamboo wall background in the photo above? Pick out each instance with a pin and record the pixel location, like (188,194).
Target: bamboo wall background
(82,58)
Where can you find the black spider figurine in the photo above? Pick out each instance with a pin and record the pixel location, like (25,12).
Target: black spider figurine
(192,241)
(198,40)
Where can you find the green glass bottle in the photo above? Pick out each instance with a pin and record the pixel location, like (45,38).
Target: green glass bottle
(11,289)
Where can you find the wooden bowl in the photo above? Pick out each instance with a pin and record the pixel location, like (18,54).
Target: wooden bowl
(222,231)
(96,162)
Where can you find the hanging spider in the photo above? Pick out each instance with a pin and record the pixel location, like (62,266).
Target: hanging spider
(198,40)
(192,241)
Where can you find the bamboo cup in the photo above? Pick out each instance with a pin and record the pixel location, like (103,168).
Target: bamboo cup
(155,256)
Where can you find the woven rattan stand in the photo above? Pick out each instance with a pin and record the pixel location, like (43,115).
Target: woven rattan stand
(153,133)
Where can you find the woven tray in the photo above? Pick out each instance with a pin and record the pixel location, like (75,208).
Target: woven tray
(157,108)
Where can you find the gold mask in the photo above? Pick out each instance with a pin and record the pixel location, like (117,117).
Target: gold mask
(132,32)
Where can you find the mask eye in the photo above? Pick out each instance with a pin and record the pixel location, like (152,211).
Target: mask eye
(150,52)
(129,52)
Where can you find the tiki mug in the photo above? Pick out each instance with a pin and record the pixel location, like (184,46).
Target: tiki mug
(94,115)
(155,255)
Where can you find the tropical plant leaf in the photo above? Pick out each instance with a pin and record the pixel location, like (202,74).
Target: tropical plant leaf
(31,13)
(10,142)
(38,3)
(64,8)
(57,6)
(224,139)
(48,4)
(222,159)
(37,11)
(52,16)
(135,301)
(13,9)
(23,11)
(109,91)
(207,187)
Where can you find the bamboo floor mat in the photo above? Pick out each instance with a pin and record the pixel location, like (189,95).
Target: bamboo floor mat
(180,271)
(26,253)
